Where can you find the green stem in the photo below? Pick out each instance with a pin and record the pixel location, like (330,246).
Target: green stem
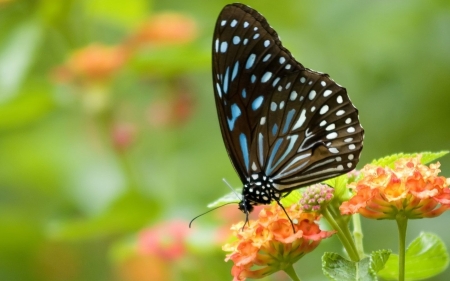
(358,234)
(344,235)
(291,272)
(402,224)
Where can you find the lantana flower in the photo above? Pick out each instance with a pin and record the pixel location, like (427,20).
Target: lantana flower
(411,190)
(268,244)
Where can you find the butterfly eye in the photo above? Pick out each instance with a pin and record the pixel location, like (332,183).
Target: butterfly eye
(284,126)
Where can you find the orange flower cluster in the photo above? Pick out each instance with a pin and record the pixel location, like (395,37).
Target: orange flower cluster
(268,244)
(411,190)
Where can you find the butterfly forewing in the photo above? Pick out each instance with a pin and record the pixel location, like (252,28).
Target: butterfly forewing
(246,54)
(291,124)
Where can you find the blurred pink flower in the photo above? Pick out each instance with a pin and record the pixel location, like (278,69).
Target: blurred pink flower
(123,135)
(165,240)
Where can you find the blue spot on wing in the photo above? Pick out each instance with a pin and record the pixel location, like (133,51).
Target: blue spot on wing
(261,149)
(235,113)
(292,140)
(244,149)
(274,129)
(288,121)
(257,102)
(272,156)
(225,81)
(235,70)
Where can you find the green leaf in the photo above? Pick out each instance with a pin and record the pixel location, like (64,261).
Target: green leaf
(17,55)
(426,256)
(378,259)
(293,197)
(337,268)
(340,187)
(231,197)
(391,159)
(428,157)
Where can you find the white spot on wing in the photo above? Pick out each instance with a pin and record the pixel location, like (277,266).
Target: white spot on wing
(293,95)
(273,106)
(300,120)
(333,150)
(324,109)
(236,40)
(219,91)
(340,112)
(332,135)
(330,127)
(327,93)
(233,23)
(312,95)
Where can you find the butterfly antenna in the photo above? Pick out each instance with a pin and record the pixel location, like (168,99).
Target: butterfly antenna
(292,224)
(232,189)
(190,223)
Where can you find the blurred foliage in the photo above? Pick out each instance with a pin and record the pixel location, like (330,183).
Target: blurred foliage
(108,124)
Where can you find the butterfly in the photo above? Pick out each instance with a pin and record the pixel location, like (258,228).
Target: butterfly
(284,126)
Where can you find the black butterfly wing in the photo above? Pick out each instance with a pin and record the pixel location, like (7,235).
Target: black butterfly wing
(244,69)
(295,125)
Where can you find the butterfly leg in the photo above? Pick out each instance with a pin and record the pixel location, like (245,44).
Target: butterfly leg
(292,224)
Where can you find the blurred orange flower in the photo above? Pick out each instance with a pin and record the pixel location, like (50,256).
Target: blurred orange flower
(96,61)
(411,189)
(166,28)
(268,244)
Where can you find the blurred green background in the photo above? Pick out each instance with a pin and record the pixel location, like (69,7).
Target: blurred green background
(109,140)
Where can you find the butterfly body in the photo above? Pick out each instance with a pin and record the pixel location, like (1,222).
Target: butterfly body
(284,126)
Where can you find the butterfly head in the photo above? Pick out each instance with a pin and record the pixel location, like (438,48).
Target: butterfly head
(259,189)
